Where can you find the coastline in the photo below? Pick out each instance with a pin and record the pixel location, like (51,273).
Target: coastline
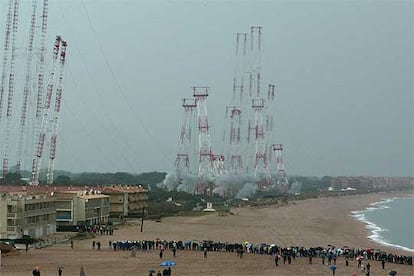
(309,223)
(375,230)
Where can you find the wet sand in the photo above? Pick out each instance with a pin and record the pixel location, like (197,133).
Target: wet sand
(312,222)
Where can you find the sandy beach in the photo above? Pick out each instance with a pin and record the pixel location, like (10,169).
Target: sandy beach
(312,222)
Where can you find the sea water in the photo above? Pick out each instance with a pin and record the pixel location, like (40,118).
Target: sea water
(391,222)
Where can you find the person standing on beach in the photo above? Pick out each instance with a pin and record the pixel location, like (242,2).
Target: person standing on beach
(368,269)
(383,263)
(310,258)
(36,271)
(71,244)
(277,259)
(205,252)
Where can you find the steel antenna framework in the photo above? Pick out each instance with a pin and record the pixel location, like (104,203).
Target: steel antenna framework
(236,164)
(261,170)
(10,95)
(56,115)
(6,47)
(45,114)
(182,161)
(39,137)
(206,173)
(27,87)
(281,175)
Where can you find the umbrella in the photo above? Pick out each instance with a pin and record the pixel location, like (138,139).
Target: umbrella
(332,267)
(151,271)
(359,258)
(392,273)
(167,263)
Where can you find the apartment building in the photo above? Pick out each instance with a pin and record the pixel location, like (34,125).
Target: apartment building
(23,213)
(81,208)
(126,200)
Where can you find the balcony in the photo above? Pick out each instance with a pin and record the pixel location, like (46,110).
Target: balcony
(43,211)
(12,216)
(11,228)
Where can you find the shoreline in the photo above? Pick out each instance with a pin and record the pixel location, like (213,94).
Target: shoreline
(309,223)
(373,229)
(357,233)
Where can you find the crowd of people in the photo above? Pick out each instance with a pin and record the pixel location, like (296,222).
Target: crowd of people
(96,229)
(327,254)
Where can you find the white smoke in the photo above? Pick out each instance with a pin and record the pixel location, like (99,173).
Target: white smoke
(170,182)
(188,184)
(239,186)
(230,185)
(248,190)
(295,188)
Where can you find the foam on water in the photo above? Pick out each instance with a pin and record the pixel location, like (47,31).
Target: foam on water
(375,229)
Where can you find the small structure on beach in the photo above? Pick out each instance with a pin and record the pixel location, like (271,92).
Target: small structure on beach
(209,208)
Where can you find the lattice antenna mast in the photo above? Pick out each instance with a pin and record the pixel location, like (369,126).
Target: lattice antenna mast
(261,170)
(39,139)
(206,174)
(6,47)
(11,87)
(254,90)
(269,116)
(238,79)
(182,161)
(256,61)
(270,107)
(281,175)
(236,164)
(58,103)
(26,90)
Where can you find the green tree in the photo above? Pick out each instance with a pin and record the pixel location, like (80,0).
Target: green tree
(63,180)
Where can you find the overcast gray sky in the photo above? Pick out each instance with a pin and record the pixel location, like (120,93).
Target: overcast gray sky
(343,71)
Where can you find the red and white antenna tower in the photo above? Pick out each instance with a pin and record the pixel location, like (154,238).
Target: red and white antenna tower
(39,137)
(27,86)
(256,60)
(281,176)
(6,47)
(269,118)
(261,170)
(45,114)
(11,87)
(182,161)
(238,79)
(236,164)
(206,174)
(254,92)
(269,109)
(56,115)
